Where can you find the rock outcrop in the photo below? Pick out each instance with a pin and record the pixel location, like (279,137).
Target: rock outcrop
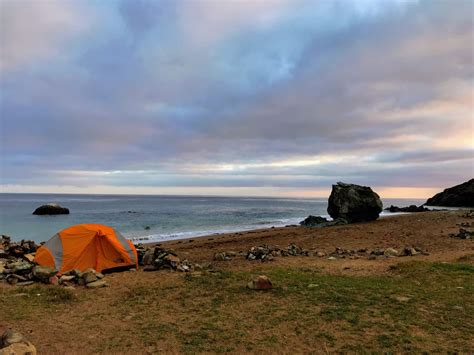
(457,196)
(317,221)
(51,209)
(354,203)
(411,208)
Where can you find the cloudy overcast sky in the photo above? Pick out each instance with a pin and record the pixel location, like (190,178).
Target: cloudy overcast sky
(237,97)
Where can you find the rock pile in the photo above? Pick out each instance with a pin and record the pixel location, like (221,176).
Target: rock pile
(157,258)
(463,234)
(9,249)
(18,268)
(13,342)
(372,254)
(267,253)
(23,273)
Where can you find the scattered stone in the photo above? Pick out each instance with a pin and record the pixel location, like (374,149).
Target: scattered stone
(89,276)
(261,282)
(463,234)
(157,258)
(43,273)
(354,203)
(97,284)
(401,298)
(331,258)
(51,209)
(390,252)
(53,280)
(24,283)
(409,252)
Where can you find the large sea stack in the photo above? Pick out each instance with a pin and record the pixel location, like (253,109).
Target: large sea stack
(51,209)
(354,203)
(457,196)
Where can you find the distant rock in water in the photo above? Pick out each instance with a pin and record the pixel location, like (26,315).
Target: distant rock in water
(51,209)
(457,196)
(354,203)
(411,208)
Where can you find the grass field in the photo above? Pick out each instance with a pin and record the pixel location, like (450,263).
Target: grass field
(417,307)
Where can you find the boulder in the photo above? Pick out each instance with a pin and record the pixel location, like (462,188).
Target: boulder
(51,209)
(261,282)
(457,196)
(354,203)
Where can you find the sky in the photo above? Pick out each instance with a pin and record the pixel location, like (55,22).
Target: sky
(236,97)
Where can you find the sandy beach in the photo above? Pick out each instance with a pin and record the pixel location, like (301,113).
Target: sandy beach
(318,305)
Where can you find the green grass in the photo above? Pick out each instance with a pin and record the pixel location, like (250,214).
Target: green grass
(22,302)
(420,306)
(417,307)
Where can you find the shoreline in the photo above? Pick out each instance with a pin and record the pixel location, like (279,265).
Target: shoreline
(148,240)
(429,231)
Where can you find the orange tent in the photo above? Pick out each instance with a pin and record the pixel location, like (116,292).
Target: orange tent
(87,246)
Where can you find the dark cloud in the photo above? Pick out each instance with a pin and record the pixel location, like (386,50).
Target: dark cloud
(309,95)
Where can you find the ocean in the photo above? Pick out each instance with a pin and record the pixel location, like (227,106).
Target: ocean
(158,218)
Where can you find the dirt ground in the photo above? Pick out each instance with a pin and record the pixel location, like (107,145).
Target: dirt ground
(164,311)
(428,231)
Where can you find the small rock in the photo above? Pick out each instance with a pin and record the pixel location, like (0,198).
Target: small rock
(43,273)
(65,278)
(390,252)
(89,276)
(53,280)
(219,256)
(24,283)
(97,284)
(401,298)
(261,282)
(29,257)
(320,254)
(150,268)
(331,258)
